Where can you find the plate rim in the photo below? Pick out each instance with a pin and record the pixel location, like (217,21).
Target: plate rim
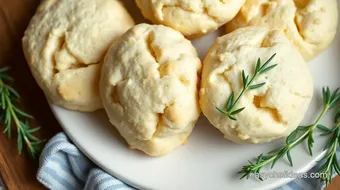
(278,182)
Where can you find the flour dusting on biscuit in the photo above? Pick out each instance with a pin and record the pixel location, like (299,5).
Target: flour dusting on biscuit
(272,111)
(149,87)
(310,25)
(65,43)
(192,18)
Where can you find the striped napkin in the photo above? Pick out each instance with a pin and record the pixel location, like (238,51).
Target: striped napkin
(63,166)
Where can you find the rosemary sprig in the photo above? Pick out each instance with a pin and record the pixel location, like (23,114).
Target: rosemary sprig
(299,135)
(330,160)
(12,115)
(247,85)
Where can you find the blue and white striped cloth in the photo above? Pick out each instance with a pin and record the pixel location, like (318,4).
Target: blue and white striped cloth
(63,166)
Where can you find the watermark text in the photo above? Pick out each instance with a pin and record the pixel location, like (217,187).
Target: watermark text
(285,174)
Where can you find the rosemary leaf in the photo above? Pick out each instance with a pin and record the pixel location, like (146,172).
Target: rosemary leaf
(6,77)
(232,117)
(310,143)
(289,158)
(220,110)
(323,128)
(256,86)
(237,111)
(268,69)
(330,160)
(21,113)
(264,66)
(258,65)
(14,92)
(301,134)
(247,85)
(230,102)
(292,137)
(33,130)
(244,78)
(12,117)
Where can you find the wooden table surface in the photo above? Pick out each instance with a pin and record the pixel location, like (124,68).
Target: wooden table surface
(19,171)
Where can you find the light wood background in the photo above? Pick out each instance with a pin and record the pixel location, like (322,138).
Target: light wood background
(19,172)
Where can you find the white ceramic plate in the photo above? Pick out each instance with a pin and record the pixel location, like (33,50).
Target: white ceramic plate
(208,161)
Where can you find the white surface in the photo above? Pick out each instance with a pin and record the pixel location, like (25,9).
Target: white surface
(208,161)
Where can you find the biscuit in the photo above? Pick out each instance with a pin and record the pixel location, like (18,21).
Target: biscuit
(272,111)
(65,43)
(192,18)
(149,88)
(310,25)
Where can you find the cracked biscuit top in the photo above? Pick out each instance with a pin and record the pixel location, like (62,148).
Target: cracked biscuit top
(65,43)
(272,111)
(192,18)
(149,87)
(310,25)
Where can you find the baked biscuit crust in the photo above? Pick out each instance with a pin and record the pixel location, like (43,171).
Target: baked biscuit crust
(310,25)
(272,111)
(193,18)
(65,43)
(149,87)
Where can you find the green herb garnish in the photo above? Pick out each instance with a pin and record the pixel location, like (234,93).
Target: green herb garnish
(247,85)
(13,116)
(330,160)
(299,135)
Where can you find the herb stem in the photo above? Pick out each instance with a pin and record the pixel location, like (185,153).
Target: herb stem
(16,119)
(29,144)
(13,116)
(332,154)
(302,133)
(267,161)
(330,159)
(311,128)
(244,89)
(247,85)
